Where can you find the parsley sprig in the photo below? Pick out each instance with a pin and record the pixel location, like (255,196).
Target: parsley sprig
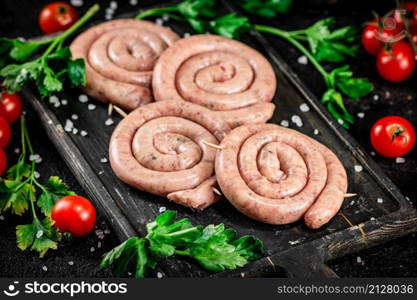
(19,192)
(265,8)
(48,72)
(214,247)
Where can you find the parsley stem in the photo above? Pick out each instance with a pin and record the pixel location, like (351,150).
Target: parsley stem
(182,252)
(157,12)
(287,35)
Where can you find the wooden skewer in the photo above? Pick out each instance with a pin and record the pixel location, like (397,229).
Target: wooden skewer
(216,191)
(348,195)
(120,111)
(213,145)
(110,109)
(351,225)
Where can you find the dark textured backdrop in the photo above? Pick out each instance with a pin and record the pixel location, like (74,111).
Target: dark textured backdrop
(81,257)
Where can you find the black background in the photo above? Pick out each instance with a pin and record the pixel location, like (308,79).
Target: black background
(393,259)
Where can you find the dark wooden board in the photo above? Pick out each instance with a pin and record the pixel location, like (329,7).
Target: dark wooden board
(291,250)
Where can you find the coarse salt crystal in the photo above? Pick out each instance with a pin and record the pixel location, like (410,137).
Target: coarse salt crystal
(92,249)
(57,104)
(33,157)
(77,3)
(107,231)
(2,218)
(165,18)
(380,200)
(108,17)
(358,168)
(109,122)
(340,121)
(162,209)
(297,120)
(64,102)
(360,115)
(376,97)
(53,99)
(69,125)
(71,263)
(133,2)
(74,117)
(109,11)
(359,259)
(186,35)
(37,175)
(285,123)
(302,60)
(91,106)
(372,218)
(17,150)
(159,21)
(372,153)
(103,160)
(83,98)
(99,245)
(113,4)
(159,275)
(304,107)
(39,234)
(83,133)
(400,160)
(316,131)
(45,268)
(74,131)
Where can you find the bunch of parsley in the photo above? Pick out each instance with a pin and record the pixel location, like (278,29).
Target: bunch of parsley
(50,70)
(214,247)
(20,190)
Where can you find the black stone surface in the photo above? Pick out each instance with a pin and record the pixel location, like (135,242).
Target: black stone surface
(393,259)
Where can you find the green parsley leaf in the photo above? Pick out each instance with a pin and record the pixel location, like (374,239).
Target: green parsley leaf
(231,26)
(249,247)
(265,8)
(14,195)
(40,236)
(52,191)
(354,88)
(76,72)
(194,9)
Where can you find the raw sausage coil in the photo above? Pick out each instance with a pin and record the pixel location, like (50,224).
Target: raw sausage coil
(277,175)
(224,75)
(161,148)
(120,56)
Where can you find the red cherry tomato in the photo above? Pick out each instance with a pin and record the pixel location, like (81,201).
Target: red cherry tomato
(5,133)
(393,136)
(74,214)
(57,16)
(407,10)
(3,161)
(10,107)
(398,64)
(374,38)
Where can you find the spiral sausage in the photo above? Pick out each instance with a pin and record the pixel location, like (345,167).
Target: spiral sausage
(277,175)
(160,148)
(223,75)
(120,56)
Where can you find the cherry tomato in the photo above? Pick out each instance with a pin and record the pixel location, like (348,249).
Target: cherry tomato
(393,136)
(5,133)
(3,161)
(10,107)
(373,37)
(398,64)
(74,214)
(57,16)
(407,10)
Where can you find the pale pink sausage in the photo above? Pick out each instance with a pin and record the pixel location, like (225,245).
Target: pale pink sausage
(120,56)
(160,148)
(305,179)
(224,75)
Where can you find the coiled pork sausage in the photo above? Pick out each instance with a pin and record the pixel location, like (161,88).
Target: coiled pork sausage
(277,175)
(161,148)
(120,56)
(224,75)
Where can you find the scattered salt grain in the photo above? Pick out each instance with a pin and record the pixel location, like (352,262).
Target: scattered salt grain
(400,160)
(372,153)
(34,157)
(352,202)
(74,117)
(113,4)
(2,218)
(77,3)
(302,60)
(107,231)
(297,120)
(108,17)
(294,242)
(69,125)
(83,98)
(133,2)
(74,131)
(359,260)
(99,245)
(39,234)
(159,21)
(376,97)
(103,160)
(45,268)
(64,102)
(83,133)
(360,115)
(358,168)
(316,132)
(159,275)
(165,18)
(71,263)
(162,209)
(53,99)
(109,11)
(57,104)
(304,107)
(92,249)
(340,121)
(91,106)
(17,150)
(372,218)
(285,123)
(380,200)
(186,35)
(37,175)
(109,122)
